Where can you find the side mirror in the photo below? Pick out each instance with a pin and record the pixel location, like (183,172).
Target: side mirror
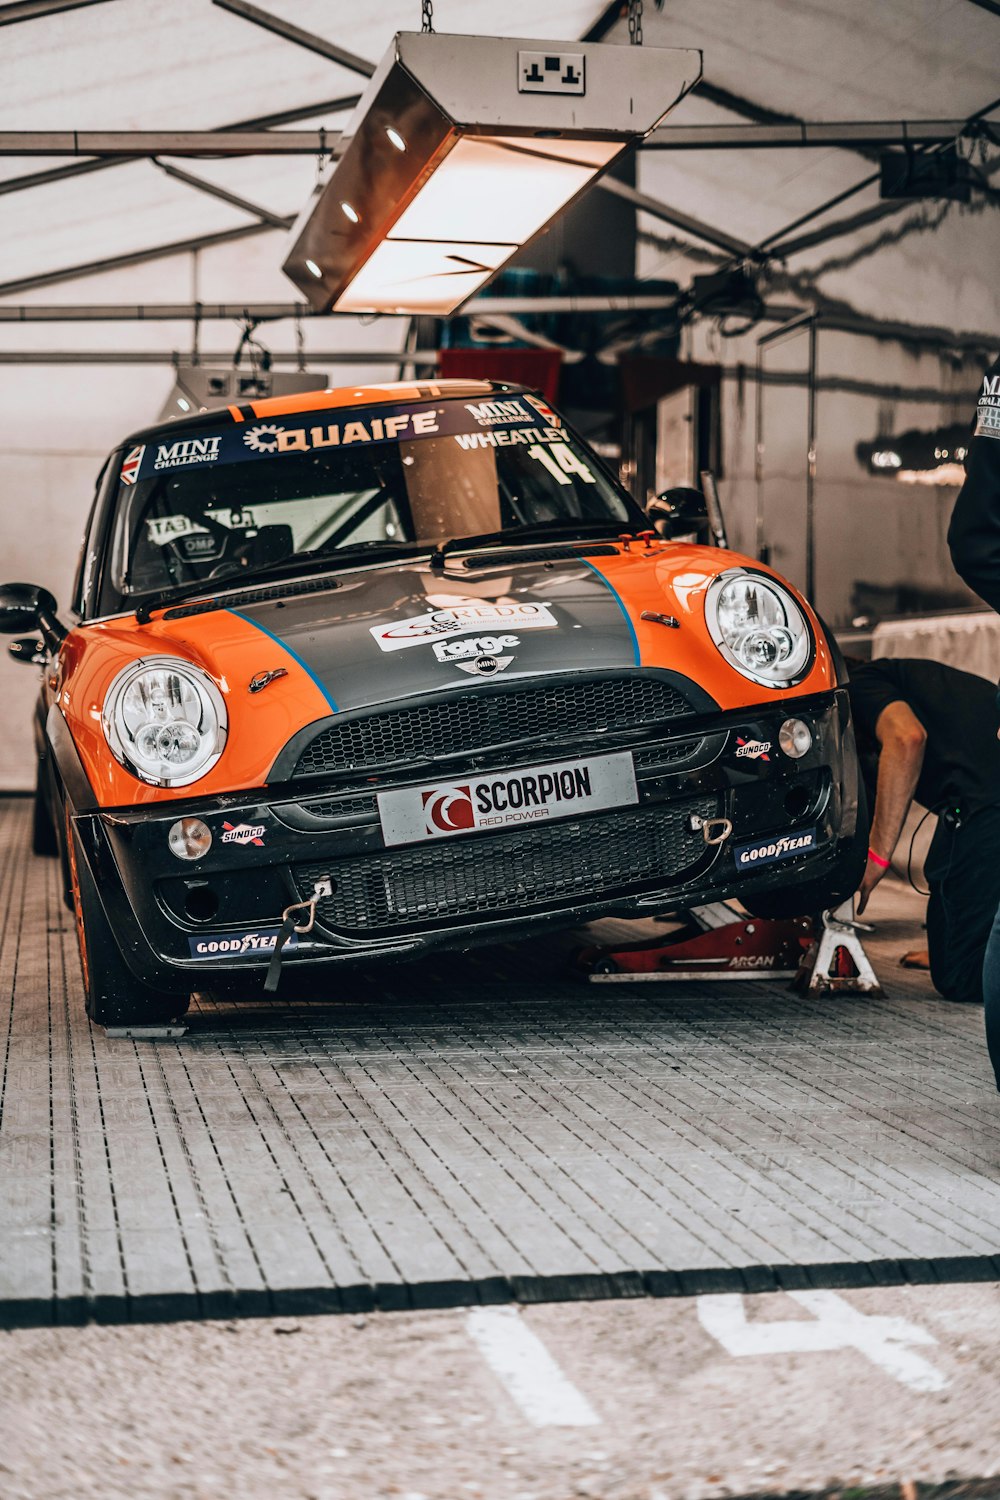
(28,648)
(25,606)
(680,512)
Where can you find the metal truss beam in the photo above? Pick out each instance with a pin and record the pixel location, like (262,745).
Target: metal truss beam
(263,122)
(134,258)
(168,312)
(658,210)
(33,10)
(172,357)
(290,33)
(127,144)
(851,134)
(277,221)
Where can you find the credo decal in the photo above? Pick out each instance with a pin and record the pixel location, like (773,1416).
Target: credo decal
(532,794)
(237,944)
(242,833)
(461,619)
(765,852)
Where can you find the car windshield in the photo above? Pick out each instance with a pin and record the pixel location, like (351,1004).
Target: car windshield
(222,502)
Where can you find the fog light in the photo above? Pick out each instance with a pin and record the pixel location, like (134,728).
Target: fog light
(189,838)
(795,738)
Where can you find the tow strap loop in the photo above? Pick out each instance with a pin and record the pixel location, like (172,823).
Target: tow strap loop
(288,926)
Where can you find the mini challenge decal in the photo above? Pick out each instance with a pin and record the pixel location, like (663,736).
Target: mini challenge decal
(460,619)
(766,851)
(988,410)
(530,795)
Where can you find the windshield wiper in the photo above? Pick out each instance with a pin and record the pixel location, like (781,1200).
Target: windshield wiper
(315,560)
(518,536)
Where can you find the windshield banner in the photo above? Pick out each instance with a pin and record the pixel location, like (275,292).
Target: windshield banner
(476,424)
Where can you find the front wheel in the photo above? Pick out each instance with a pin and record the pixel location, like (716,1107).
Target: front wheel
(114,997)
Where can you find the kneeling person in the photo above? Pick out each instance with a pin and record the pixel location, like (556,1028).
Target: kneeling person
(928,733)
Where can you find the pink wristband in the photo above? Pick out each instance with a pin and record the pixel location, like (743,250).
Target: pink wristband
(877,859)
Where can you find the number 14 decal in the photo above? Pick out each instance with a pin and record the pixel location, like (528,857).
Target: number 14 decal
(561,461)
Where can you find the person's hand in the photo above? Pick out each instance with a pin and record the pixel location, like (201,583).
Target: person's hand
(873,874)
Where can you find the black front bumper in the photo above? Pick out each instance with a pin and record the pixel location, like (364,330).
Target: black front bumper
(179,923)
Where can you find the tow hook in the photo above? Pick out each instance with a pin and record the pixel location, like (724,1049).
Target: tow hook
(713,830)
(293,920)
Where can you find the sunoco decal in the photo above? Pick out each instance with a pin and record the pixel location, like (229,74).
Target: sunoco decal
(461,619)
(752,749)
(766,852)
(237,944)
(243,833)
(533,794)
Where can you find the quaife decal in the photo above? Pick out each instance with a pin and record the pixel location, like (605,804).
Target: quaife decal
(237,944)
(242,833)
(345,427)
(765,852)
(477,645)
(532,794)
(988,410)
(460,619)
(752,749)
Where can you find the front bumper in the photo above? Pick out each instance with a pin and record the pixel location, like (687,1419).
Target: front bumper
(180,923)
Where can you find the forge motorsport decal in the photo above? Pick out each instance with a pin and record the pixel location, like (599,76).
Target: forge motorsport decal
(473,424)
(766,851)
(531,795)
(460,619)
(988,410)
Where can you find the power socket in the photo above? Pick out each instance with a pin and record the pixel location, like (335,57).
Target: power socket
(551,73)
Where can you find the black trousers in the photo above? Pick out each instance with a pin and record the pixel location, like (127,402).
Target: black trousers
(963,875)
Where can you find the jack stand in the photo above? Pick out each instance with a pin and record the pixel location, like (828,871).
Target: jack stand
(837,960)
(717,942)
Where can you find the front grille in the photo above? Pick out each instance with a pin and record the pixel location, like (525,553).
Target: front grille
(511,873)
(478,720)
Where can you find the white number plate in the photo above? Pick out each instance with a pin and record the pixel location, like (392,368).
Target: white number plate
(529,795)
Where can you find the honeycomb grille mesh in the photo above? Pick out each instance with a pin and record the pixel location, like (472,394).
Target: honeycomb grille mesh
(477,720)
(515,872)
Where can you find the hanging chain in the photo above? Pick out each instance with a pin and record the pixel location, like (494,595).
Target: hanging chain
(635,22)
(426,15)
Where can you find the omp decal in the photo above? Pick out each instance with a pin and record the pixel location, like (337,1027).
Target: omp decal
(293,654)
(238,944)
(767,851)
(459,619)
(620,603)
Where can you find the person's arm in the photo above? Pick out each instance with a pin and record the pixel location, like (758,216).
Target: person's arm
(902,738)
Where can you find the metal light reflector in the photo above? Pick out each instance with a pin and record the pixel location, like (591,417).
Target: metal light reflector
(460,150)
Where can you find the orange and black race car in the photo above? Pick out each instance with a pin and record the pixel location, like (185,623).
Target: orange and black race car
(361,672)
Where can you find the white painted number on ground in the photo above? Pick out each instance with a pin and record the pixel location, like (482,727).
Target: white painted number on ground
(837,1325)
(531,1376)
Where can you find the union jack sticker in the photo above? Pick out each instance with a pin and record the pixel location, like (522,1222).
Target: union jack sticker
(544,410)
(131,464)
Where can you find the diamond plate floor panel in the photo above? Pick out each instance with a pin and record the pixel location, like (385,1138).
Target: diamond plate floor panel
(477,1127)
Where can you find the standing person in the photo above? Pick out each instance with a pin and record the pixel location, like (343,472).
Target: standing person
(927,733)
(974,539)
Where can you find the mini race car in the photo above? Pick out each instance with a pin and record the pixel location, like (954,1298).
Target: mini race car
(358,673)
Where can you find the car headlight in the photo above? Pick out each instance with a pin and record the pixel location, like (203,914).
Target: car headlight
(165,720)
(759,628)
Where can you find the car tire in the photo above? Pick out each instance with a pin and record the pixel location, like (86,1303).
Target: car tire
(112,993)
(43,831)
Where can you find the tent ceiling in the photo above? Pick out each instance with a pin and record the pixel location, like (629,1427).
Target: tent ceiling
(127,65)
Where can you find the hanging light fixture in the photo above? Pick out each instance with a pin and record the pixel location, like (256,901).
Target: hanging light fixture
(460,150)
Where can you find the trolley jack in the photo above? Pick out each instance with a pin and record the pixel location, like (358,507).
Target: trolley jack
(720,942)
